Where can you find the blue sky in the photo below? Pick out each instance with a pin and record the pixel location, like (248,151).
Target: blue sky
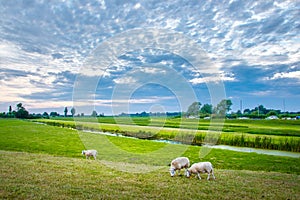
(47,48)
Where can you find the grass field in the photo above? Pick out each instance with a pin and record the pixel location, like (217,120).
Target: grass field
(264,127)
(43,176)
(45,162)
(277,141)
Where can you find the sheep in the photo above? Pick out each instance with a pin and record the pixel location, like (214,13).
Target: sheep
(178,164)
(89,153)
(203,167)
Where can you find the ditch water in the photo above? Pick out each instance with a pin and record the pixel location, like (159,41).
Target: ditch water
(225,147)
(258,151)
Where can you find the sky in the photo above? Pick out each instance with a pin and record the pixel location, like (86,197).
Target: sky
(156,56)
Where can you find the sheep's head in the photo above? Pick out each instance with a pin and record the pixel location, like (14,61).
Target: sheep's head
(172,171)
(83,152)
(188,173)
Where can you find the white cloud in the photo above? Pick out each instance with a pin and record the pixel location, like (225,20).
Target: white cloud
(153,70)
(292,75)
(125,80)
(137,6)
(223,76)
(172,23)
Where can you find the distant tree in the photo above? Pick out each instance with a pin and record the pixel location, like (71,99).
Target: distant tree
(193,109)
(21,112)
(54,114)
(66,111)
(9,110)
(94,114)
(247,111)
(73,111)
(223,107)
(206,109)
(45,115)
(19,106)
(272,112)
(3,115)
(261,109)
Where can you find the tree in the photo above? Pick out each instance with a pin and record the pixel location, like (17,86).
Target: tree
(19,106)
(206,109)
(261,109)
(73,111)
(45,115)
(239,112)
(66,111)
(247,111)
(223,107)
(193,109)
(9,110)
(94,114)
(272,112)
(21,112)
(54,114)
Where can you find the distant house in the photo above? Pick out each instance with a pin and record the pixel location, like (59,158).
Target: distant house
(272,117)
(243,118)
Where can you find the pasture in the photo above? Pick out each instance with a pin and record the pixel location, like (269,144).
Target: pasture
(45,162)
(265,134)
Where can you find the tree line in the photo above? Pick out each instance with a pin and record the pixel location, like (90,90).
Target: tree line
(21,112)
(223,108)
(195,110)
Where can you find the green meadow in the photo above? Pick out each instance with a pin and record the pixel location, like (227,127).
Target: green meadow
(265,134)
(44,162)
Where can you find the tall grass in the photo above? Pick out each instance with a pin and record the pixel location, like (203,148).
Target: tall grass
(263,142)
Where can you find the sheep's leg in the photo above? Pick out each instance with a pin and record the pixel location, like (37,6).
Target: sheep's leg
(179,172)
(212,173)
(198,174)
(208,176)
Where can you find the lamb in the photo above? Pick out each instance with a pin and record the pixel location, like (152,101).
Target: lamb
(203,167)
(89,153)
(178,164)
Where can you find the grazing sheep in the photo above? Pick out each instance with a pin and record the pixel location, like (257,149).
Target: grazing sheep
(89,153)
(178,164)
(203,167)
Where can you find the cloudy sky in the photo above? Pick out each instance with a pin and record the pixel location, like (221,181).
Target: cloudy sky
(131,56)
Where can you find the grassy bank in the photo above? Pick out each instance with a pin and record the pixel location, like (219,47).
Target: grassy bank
(17,135)
(41,176)
(45,162)
(273,142)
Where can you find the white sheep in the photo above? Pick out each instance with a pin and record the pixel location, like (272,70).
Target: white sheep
(203,167)
(178,164)
(89,153)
